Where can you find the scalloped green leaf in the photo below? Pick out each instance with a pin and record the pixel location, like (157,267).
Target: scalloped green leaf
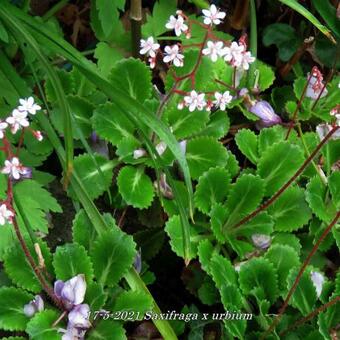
(329,318)
(19,270)
(270,136)
(133,77)
(304,296)
(287,239)
(87,171)
(111,123)
(205,251)
(112,254)
(260,274)
(334,188)
(135,187)
(70,260)
(290,211)
(278,163)
(108,330)
(245,195)
(173,228)
(12,317)
(212,187)
(218,125)
(34,202)
(266,75)
(40,326)
(222,271)
(67,84)
(283,257)
(185,123)
(316,198)
(133,301)
(203,153)
(95,296)
(107,56)
(247,142)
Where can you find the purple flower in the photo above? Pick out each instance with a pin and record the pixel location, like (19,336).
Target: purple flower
(261,241)
(79,316)
(265,112)
(71,292)
(138,261)
(34,306)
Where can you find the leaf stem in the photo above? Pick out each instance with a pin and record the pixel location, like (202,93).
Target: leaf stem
(136,21)
(56,8)
(298,277)
(289,182)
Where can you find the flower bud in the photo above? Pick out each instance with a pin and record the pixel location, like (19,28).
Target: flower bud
(138,153)
(261,241)
(265,112)
(160,148)
(318,281)
(34,306)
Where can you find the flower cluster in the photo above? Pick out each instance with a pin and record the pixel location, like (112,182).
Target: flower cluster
(72,294)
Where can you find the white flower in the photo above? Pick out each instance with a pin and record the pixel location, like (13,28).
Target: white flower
(318,281)
(13,168)
(222,100)
(28,105)
(149,47)
(3,127)
(323,129)
(34,306)
(172,54)
(177,24)
(5,215)
(17,120)
(160,148)
(244,61)
(214,50)
(138,153)
(195,101)
(233,53)
(315,87)
(78,317)
(213,15)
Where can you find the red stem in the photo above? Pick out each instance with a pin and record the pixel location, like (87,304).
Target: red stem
(297,280)
(311,315)
(289,182)
(292,122)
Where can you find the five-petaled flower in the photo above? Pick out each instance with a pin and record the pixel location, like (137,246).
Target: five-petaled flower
(149,47)
(222,99)
(245,60)
(233,53)
(172,54)
(6,215)
(213,50)
(3,127)
(28,105)
(213,15)
(13,168)
(195,101)
(17,120)
(177,24)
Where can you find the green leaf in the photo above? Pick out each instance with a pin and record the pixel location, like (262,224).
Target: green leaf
(40,326)
(287,239)
(185,123)
(111,123)
(316,198)
(107,57)
(108,330)
(266,75)
(329,318)
(290,211)
(112,254)
(204,153)
(173,228)
(34,202)
(107,13)
(212,187)
(269,136)
(334,188)
(87,171)
(278,163)
(20,271)
(155,24)
(95,296)
(135,187)
(12,317)
(218,125)
(246,141)
(133,77)
(133,301)
(329,14)
(309,16)
(304,297)
(205,251)
(70,260)
(260,274)
(222,271)
(284,37)
(283,257)
(245,195)
(82,230)
(3,33)
(231,296)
